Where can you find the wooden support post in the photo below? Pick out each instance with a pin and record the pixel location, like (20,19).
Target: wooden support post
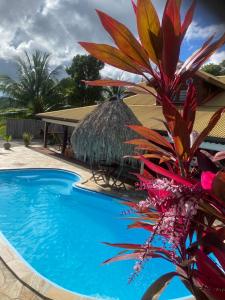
(46,135)
(142,168)
(65,138)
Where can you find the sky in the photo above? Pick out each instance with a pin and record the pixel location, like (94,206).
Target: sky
(56,26)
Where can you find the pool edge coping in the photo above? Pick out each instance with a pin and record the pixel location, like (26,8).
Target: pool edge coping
(27,275)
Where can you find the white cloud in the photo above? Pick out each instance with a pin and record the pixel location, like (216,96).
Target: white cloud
(56,26)
(196,31)
(114,73)
(49,5)
(217,57)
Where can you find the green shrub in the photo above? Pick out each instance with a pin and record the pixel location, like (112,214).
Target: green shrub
(2,130)
(7,138)
(27,137)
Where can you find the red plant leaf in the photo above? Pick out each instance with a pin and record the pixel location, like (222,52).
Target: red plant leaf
(204,289)
(142,225)
(140,247)
(148,27)
(219,255)
(156,289)
(218,185)
(207,52)
(146,145)
(171,32)
(190,106)
(215,238)
(166,173)
(178,128)
(134,6)
(126,246)
(129,204)
(122,257)
(205,163)
(129,256)
(124,39)
(206,266)
(186,66)
(212,123)
(195,61)
(209,277)
(147,175)
(212,211)
(219,156)
(112,56)
(109,82)
(151,135)
(188,19)
(142,178)
(161,157)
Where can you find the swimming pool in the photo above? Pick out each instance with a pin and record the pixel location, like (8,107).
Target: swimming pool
(58,229)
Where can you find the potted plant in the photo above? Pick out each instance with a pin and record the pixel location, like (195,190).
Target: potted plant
(186,212)
(7,144)
(27,137)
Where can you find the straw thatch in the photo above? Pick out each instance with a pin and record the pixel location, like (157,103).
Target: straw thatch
(101,135)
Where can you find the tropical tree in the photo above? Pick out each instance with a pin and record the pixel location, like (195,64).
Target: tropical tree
(118,92)
(66,87)
(185,212)
(84,67)
(36,86)
(215,69)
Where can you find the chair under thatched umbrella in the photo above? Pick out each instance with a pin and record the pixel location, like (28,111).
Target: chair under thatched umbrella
(101,135)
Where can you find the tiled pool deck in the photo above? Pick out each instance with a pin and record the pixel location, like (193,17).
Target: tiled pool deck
(17,280)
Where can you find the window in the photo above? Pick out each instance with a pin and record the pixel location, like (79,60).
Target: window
(182,96)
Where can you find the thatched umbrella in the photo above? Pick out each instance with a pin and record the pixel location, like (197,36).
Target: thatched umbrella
(101,135)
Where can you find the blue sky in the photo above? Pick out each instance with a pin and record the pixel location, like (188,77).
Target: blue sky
(56,26)
(206,22)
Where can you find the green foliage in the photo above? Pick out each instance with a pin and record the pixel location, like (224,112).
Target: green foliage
(14,113)
(214,69)
(7,138)
(118,92)
(2,129)
(36,87)
(27,137)
(66,89)
(83,67)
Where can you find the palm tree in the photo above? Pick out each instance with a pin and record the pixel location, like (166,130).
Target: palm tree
(116,92)
(36,87)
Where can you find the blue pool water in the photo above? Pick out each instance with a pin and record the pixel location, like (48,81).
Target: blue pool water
(58,230)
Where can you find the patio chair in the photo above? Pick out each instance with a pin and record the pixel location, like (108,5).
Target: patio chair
(117,178)
(100,172)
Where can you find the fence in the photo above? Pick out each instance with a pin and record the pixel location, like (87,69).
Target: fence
(16,127)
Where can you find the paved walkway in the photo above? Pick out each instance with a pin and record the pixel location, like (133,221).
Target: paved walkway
(20,156)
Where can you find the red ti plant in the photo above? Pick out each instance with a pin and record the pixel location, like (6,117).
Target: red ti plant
(187,213)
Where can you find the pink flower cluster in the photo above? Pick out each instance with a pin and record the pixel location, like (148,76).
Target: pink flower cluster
(175,222)
(176,205)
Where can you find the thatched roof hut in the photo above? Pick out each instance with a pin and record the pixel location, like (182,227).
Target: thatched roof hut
(101,135)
